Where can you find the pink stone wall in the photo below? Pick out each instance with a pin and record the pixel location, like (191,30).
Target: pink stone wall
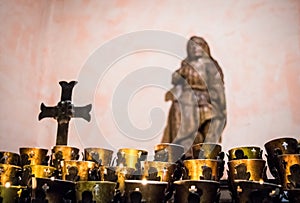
(43,42)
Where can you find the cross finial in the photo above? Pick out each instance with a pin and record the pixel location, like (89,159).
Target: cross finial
(64,111)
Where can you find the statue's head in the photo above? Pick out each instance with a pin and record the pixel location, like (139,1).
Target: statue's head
(197,47)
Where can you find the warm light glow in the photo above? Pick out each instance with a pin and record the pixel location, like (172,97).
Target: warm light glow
(239,189)
(7,184)
(261,181)
(52,178)
(273,193)
(137,189)
(144,181)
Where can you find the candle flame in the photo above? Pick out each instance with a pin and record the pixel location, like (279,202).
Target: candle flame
(7,184)
(144,181)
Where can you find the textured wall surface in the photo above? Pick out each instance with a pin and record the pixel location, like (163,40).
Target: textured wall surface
(42,42)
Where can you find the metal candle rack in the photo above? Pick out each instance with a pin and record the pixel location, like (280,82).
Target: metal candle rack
(35,176)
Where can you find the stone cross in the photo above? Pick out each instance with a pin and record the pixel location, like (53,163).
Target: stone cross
(64,111)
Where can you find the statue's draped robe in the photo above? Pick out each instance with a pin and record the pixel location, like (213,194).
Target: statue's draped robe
(198,110)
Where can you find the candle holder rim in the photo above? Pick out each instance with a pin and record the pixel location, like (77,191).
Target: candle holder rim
(245,146)
(196,181)
(146,182)
(246,160)
(39,148)
(92,148)
(280,138)
(169,144)
(10,165)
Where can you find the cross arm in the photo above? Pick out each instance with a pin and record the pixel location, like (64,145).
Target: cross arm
(47,112)
(83,112)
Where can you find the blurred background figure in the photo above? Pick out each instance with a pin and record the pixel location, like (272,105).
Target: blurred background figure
(198,110)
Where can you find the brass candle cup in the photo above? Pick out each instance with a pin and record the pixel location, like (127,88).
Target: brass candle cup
(206,150)
(62,152)
(38,171)
(280,146)
(55,190)
(10,174)
(289,170)
(101,191)
(247,152)
(246,169)
(74,170)
(131,158)
(150,191)
(256,191)
(168,152)
(158,170)
(99,155)
(33,156)
(9,158)
(117,174)
(205,190)
(202,169)
(10,194)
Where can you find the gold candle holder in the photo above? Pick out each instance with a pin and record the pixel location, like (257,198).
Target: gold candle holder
(99,191)
(289,170)
(247,169)
(10,174)
(9,158)
(202,169)
(150,191)
(131,158)
(74,170)
(63,153)
(158,170)
(117,174)
(248,152)
(39,171)
(204,190)
(257,191)
(9,194)
(98,155)
(206,151)
(123,174)
(280,146)
(168,152)
(33,156)
(55,190)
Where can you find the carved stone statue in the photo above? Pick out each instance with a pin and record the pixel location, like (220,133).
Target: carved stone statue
(198,110)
